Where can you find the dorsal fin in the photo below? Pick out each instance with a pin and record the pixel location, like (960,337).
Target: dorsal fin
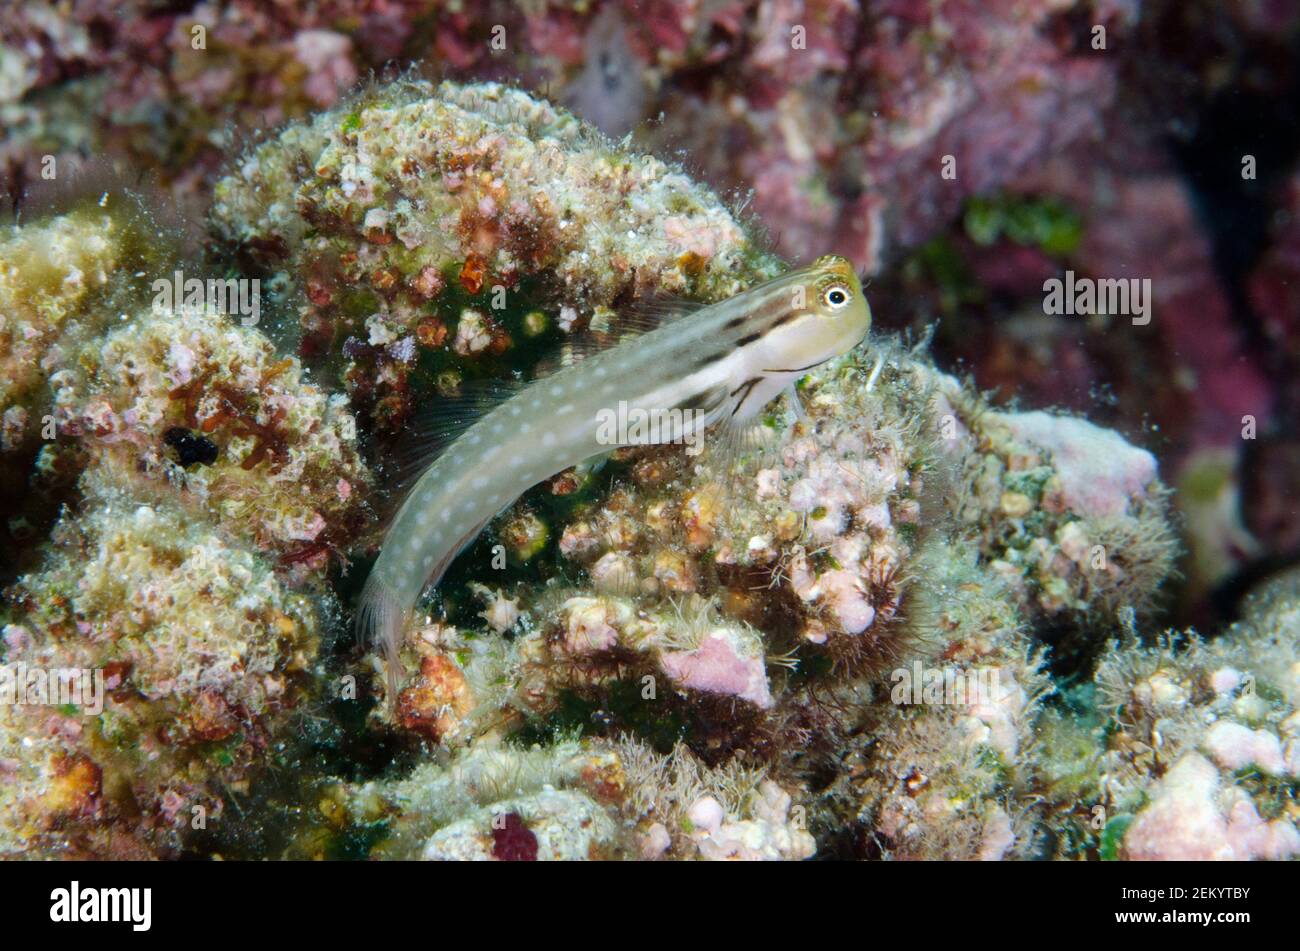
(572,351)
(623,323)
(655,311)
(445,416)
(432,428)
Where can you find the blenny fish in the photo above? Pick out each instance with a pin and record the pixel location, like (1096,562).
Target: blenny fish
(718,365)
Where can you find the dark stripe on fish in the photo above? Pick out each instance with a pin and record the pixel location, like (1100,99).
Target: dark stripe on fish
(710,359)
(747,387)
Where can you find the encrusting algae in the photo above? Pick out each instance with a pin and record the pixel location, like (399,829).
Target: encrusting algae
(878,625)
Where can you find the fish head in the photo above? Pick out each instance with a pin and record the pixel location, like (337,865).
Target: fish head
(829,314)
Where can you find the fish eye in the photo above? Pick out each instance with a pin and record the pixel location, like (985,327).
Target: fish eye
(836,296)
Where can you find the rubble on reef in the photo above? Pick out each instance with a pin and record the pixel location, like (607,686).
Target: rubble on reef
(203,651)
(201,488)
(1201,753)
(898,621)
(200,406)
(590,800)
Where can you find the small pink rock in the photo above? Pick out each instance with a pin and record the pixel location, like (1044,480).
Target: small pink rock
(1100,472)
(328,58)
(1184,821)
(1234,747)
(844,594)
(655,842)
(717,667)
(306,528)
(706,814)
(588,627)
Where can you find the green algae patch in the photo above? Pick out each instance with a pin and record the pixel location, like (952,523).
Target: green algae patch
(1112,836)
(1043,223)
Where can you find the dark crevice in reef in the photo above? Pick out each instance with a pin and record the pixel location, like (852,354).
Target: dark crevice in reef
(1251,107)
(1219,93)
(1237,212)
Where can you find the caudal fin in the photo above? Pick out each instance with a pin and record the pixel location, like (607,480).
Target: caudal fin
(380,619)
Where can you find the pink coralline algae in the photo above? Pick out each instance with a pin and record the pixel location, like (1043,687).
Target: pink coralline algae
(202,69)
(1100,472)
(1193,818)
(988,88)
(871,99)
(327,57)
(716,666)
